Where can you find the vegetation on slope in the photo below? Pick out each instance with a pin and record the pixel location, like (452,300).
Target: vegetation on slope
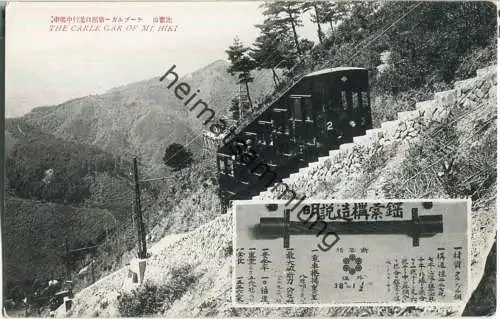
(153,300)
(57,191)
(42,167)
(34,236)
(429,45)
(463,171)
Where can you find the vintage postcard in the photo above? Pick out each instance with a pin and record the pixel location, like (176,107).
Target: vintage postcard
(249,158)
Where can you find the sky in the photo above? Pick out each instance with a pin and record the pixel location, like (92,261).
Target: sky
(47,67)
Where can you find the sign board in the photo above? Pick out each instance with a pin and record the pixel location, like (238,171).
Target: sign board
(331,253)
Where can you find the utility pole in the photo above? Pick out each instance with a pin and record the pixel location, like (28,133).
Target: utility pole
(106,237)
(141,233)
(92,270)
(66,258)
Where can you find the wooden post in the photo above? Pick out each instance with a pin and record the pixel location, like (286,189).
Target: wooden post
(141,235)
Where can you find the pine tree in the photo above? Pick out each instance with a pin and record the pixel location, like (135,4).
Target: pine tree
(360,13)
(241,63)
(271,50)
(286,13)
(330,12)
(315,16)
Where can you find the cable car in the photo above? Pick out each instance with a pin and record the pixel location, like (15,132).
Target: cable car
(323,110)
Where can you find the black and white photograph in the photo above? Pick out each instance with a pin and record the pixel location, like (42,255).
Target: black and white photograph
(161,158)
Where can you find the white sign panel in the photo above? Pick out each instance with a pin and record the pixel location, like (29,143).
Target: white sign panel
(351,252)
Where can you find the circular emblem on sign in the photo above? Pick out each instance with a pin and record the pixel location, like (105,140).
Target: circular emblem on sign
(344,78)
(427,205)
(352,264)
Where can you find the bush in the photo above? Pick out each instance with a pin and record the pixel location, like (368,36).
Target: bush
(153,300)
(475,59)
(177,156)
(429,45)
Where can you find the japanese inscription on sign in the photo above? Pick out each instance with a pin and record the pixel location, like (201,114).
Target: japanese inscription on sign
(351,252)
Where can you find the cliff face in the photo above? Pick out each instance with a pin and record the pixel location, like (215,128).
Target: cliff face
(395,161)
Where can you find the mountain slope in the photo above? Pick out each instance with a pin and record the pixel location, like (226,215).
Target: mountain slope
(40,166)
(34,237)
(56,189)
(143,118)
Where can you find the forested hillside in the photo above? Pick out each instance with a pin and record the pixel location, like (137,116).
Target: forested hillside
(53,194)
(428,45)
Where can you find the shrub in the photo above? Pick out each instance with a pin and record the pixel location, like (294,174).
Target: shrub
(177,156)
(452,29)
(152,300)
(475,59)
(445,166)
(476,169)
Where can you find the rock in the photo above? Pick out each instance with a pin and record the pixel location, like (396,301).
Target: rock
(402,125)
(472,97)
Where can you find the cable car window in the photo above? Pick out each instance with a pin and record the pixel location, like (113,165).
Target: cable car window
(260,137)
(324,99)
(276,121)
(284,122)
(355,100)
(268,137)
(222,165)
(364,99)
(308,111)
(230,167)
(287,127)
(318,86)
(297,109)
(329,105)
(248,143)
(344,100)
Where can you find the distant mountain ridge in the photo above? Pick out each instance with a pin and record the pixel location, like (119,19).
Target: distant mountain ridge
(142,118)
